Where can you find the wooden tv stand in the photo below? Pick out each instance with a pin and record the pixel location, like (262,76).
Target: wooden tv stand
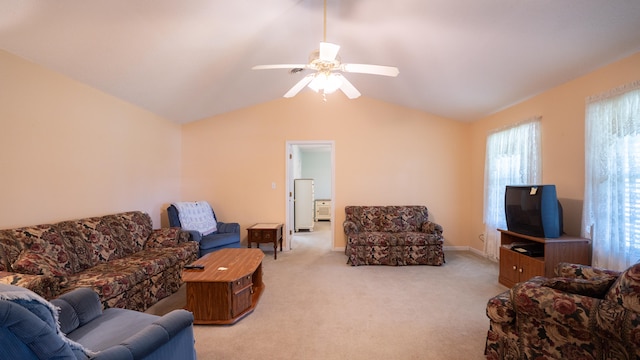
(516,267)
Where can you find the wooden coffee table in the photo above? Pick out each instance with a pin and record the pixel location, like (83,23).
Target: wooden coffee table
(227,289)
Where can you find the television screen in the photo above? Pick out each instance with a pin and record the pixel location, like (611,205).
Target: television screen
(533,210)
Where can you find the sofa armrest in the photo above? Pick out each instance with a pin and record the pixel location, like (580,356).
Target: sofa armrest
(533,300)
(226,228)
(549,316)
(166,237)
(194,235)
(431,228)
(500,308)
(44,285)
(579,271)
(596,287)
(350,227)
(176,326)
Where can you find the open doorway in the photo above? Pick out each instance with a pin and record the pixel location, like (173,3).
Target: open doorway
(311,160)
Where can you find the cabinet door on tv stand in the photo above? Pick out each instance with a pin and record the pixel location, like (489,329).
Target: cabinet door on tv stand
(509,265)
(530,267)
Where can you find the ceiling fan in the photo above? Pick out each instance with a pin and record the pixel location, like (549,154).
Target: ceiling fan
(328,70)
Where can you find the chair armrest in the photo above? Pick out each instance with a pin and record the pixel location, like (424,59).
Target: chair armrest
(431,228)
(32,338)
(568,270)
(151,338)
(226,228)
(350,227)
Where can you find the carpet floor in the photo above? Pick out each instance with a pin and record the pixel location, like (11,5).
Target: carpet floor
(314,306)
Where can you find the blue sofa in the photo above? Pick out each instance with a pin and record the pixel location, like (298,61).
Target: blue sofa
(32,328)
(227,235)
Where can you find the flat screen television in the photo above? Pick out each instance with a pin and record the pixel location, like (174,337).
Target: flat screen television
(533,210)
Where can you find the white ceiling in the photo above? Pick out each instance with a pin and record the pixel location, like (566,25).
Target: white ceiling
(191,59)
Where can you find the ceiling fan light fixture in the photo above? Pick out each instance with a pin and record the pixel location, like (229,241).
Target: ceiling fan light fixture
(329,68)
(327,82)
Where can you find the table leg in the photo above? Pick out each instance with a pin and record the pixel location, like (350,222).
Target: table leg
(275,249)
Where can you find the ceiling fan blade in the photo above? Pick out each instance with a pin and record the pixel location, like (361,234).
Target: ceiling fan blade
(279,66)
(371,69)
(299,86)
(328,51)
(348,88)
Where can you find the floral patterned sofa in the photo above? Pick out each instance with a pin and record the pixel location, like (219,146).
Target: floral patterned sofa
(584,313)
(128,263)
(392,235)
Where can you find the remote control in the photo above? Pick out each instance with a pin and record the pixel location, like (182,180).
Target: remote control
(194,267)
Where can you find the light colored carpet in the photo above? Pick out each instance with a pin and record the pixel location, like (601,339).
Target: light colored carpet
(316,307)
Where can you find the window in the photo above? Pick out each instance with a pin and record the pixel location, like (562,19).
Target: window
(611,215)
(512,158)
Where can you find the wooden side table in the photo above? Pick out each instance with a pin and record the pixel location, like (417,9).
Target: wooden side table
(266,233)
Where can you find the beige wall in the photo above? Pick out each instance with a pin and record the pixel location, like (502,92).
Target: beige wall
(384,154)
(562,111)
(70,151)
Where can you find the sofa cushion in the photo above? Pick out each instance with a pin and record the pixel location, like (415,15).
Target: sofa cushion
(404,218)
(83,258)
(102,244)
(138,226)
(626,290)
(67,316)
(44,245)
(112,328)
(108,279)
(218,239)
(77,308)
(38,264)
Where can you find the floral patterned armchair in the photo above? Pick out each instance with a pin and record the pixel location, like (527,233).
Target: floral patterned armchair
(584,313)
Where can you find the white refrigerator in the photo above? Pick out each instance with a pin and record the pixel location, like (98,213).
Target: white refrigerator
(303,201)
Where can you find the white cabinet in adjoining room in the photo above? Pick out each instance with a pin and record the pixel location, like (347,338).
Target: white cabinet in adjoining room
(303,203)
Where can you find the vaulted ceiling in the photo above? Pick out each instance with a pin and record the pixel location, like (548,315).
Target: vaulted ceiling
(187,60)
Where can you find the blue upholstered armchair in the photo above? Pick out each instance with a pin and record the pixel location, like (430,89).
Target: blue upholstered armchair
(33,328)
(227,235)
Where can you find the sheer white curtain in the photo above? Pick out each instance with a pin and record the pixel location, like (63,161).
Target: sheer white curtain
(513,157)
(611,214)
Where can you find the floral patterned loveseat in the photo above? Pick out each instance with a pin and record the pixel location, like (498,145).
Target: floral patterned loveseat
(584,313)
(392,235)
(128,263)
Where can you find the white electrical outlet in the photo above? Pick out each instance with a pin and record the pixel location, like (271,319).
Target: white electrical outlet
(273,185)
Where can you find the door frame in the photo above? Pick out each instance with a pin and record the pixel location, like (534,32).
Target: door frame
(289,161)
